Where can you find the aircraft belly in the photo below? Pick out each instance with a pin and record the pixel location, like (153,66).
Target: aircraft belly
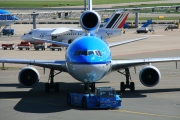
(6,22)
(91,73)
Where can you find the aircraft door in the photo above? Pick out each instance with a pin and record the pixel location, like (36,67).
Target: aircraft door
(53,37)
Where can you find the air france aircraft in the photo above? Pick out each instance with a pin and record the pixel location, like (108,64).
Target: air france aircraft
(112,28)
(6,18)
(88,59)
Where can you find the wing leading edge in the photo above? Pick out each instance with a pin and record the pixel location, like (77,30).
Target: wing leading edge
(53,64)
(121,64)
(51,41)
(126,41)
(61,31)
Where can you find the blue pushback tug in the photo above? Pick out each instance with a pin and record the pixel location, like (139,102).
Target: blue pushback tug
(8,31)
(103,97)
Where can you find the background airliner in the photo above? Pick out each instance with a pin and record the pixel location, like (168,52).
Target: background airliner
(6,18)
(88,59)
(112,28)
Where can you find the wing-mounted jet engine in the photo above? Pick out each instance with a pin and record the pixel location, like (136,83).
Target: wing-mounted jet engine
(90,21)
(149,76)
(29,77)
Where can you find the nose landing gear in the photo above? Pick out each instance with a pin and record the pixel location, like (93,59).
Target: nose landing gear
(89,87)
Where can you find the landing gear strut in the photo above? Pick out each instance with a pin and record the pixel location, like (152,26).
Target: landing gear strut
(128,84)
(51,84)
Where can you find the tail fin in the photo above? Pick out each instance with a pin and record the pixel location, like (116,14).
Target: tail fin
(116,21)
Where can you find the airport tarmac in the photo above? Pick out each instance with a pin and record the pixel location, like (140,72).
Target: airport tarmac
(161,102)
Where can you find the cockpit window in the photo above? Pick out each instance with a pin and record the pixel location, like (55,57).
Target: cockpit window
(30,33)
(77,53)
(83,52)
(89,52)
(98,53)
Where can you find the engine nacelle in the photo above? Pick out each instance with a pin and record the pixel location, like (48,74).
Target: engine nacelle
(28,77)
(90,21)
(149,76)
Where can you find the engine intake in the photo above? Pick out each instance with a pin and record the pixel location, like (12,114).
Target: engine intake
(28,77)
(149,76)
(90,21)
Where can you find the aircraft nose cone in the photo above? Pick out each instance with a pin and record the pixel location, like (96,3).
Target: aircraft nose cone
(23,37)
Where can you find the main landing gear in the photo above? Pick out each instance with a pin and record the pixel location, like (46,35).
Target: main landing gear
(51,85)
(128,84)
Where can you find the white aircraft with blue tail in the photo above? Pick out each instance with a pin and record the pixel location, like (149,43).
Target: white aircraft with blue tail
(88,59)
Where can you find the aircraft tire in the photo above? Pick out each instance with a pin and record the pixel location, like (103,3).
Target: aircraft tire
(56,87)
(47,87)
(68,99)
(92,87)
(132,86)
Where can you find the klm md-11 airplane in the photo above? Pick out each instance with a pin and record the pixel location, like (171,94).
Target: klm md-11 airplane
(88,59)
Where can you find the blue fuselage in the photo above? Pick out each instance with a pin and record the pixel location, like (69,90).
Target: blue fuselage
(5,15)
(88,59)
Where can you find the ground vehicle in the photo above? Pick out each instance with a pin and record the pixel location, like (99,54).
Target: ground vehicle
(10,46)
(23,44)
(40,45)
(144,27)
(54,47)
(103,97)
(8,31)
(142,30)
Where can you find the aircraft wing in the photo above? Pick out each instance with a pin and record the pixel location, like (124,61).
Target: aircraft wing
(60,31)
(126,41)
(121,64)
(51,41)
(53,64)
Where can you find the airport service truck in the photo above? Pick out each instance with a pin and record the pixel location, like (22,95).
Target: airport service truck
(24,45)
(144,28)
(10,46)
(54,47)
(40,45)
(103,97)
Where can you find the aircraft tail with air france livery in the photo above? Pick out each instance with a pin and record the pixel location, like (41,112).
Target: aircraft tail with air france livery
(117,20)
